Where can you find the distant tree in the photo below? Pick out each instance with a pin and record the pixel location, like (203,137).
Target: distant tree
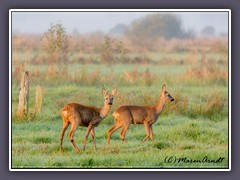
(112,50)
(56,44)
(150,27)
(75,32)
(190,33)
(223,34)
(119,29)
(208,31)
(107,51)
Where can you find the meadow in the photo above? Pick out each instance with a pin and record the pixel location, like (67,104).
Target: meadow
(194,126)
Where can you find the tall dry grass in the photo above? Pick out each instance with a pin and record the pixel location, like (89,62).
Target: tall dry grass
(207,70)
(93,44)
(212,107)
(133,77)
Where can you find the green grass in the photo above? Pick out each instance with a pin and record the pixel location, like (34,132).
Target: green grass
(194,126)
(36,145)
(155,56)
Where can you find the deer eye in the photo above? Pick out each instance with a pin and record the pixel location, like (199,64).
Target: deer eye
(106,98)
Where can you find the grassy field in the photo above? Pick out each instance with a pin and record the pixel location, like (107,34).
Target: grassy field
(36,145)
(194,126)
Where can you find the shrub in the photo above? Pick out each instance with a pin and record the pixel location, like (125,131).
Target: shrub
(56,44)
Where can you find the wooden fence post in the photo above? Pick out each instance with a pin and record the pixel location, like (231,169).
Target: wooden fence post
(39,93)
(23,95)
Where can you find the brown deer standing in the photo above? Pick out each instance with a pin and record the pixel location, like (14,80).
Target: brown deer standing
(87,116)
(126,115)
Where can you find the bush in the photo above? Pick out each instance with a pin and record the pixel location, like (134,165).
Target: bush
(56,44)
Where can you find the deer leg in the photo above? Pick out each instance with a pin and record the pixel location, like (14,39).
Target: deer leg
(111,131)
(94,139)
(70,135)
(87,134)
(65,126)
(147,128)
(122,134)
(151,134)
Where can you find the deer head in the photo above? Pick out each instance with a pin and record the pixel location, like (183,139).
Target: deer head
(165,95)
(109,97)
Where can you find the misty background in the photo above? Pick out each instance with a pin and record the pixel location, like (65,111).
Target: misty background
(112,22)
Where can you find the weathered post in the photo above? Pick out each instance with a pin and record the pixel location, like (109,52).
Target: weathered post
(23,95)
(39,93)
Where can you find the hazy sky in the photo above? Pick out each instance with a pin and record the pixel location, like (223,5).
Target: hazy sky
(85,22)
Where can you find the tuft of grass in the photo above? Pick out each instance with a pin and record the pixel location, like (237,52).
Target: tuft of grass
(162,145)
(189,146)
(30,116)
(39,140)
(207,70)
(214,108)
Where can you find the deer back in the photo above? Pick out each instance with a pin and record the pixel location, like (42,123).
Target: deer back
(135,114)
(85,113)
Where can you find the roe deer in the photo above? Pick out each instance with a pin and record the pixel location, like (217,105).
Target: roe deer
(126,115)
(87,116)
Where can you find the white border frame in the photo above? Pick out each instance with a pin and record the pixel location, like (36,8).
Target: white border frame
(119,10)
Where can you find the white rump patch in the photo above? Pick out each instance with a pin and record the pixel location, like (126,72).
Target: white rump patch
(115,114)
(64,113)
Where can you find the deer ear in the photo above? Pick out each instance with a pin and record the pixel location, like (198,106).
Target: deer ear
(164,88)
(114,91)
(104,92)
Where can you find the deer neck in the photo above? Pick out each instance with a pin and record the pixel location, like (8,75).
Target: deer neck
(104,110)
(160,105)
